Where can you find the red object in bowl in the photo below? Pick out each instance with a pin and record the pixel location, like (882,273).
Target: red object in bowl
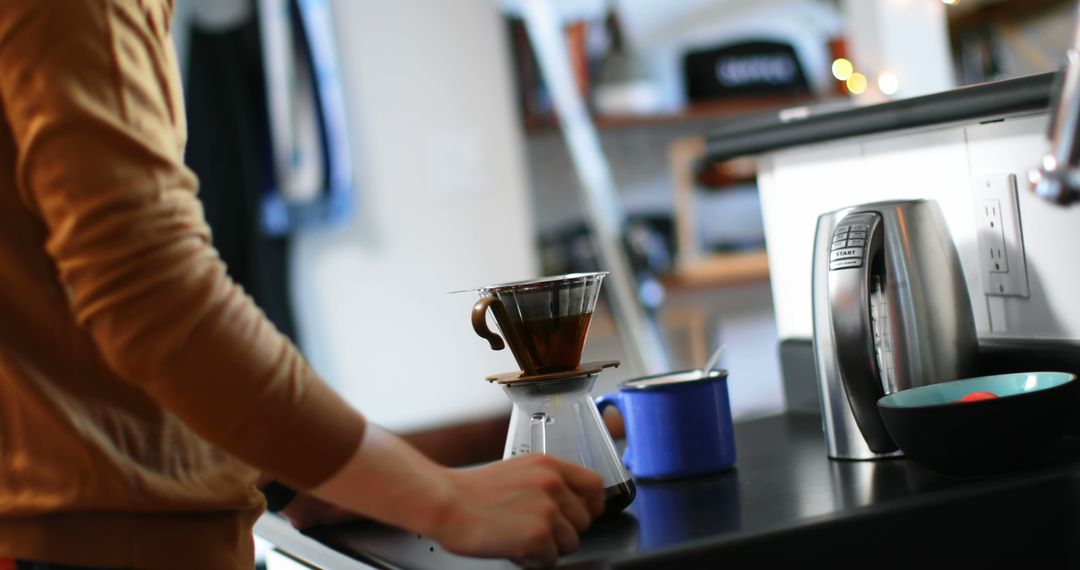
(977,396)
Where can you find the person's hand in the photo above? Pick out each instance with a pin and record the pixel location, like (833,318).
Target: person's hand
(529,509)
(306,511)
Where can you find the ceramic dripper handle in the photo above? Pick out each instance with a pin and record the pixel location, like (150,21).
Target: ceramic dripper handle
(480,325)
(479,322)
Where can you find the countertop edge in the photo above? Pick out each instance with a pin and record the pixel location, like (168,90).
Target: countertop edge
(276,530)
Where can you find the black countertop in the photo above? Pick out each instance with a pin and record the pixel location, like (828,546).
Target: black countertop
(766,132)
(784,501)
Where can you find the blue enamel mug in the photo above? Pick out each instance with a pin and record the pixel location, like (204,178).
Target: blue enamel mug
(677,424)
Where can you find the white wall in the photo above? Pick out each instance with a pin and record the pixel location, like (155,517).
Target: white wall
(909,39)
(442,206)
(799,184)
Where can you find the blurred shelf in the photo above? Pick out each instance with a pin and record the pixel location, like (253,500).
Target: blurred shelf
(725,109)
(720,270)
(972,15)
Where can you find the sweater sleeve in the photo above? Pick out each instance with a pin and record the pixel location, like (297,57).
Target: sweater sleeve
(91,91)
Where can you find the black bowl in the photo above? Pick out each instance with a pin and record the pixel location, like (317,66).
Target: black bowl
(983,437)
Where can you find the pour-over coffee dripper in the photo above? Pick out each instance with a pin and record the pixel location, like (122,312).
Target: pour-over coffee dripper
(545,321)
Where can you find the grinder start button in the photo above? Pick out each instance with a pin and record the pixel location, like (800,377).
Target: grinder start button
(846,253)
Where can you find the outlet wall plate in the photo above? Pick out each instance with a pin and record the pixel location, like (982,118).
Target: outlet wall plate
(1002,263)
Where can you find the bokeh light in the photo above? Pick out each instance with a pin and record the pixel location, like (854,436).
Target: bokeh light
(856,83)
(842,69)
(888,83)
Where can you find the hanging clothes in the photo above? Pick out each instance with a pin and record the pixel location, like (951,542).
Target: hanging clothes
(267,135)
(229,149)
(308,129)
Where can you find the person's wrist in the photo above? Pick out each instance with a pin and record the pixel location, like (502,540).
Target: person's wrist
(438,511)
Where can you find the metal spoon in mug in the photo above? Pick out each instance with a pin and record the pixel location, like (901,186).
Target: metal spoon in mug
(705,370)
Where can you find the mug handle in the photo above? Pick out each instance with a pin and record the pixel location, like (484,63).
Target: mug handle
(613,399)
(479,321)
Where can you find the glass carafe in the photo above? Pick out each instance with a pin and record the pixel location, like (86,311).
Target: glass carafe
(559,418)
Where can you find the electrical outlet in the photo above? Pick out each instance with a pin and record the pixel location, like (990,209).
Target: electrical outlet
(1002,263)
(994,240)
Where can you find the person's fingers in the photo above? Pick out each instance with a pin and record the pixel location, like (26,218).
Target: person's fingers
(594,502)
(584,482)
(573,507)
(592,499)
(543,551)
(570,504)
(566,536)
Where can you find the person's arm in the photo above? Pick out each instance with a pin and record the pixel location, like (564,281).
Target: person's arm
(89,90)
(529,508)
(91,93)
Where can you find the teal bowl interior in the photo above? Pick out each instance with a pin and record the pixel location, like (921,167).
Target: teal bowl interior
(1002,385)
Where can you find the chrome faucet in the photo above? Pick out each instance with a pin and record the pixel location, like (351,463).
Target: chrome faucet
(1058,178)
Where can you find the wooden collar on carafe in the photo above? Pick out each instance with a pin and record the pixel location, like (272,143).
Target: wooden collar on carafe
(584,369)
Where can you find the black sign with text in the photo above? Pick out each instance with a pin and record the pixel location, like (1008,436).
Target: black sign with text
(744,69)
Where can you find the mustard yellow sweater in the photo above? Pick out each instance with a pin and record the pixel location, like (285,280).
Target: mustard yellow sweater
(141,392)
